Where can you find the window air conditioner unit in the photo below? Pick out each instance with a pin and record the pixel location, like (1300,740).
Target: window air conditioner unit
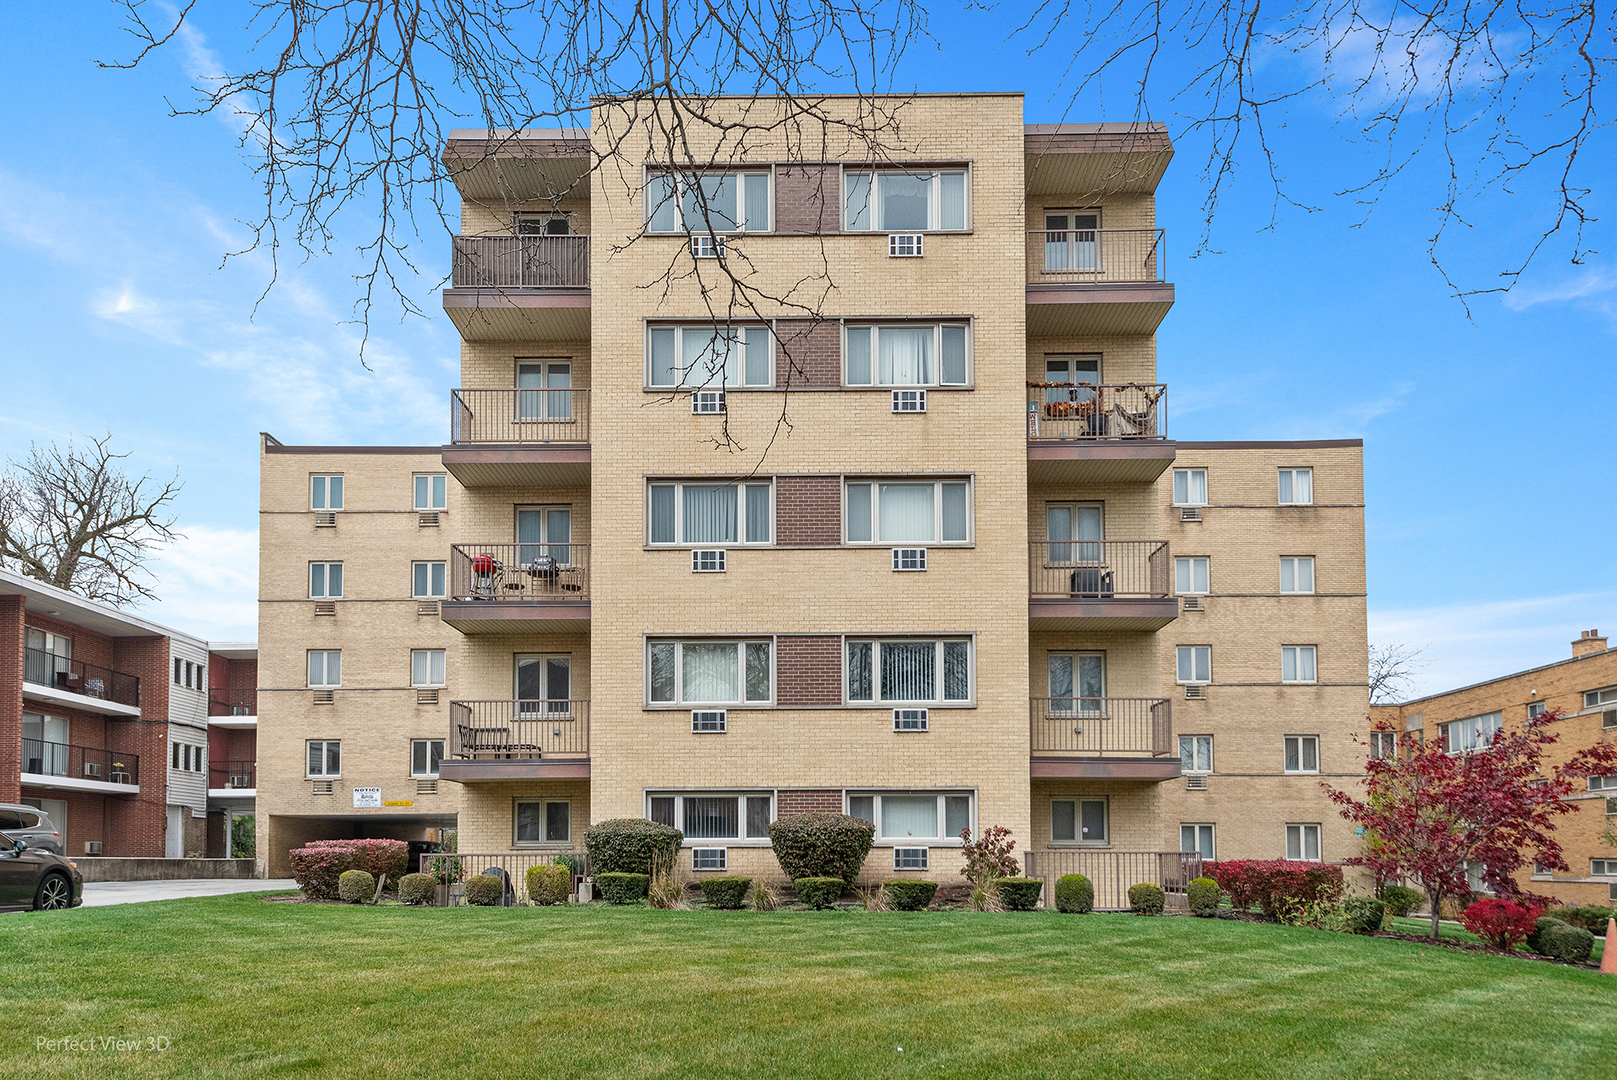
(707,402)
(92,847)
(241,780)
(1190,513)
(424,696)
(909,558)
(1191,603)
(909,401)
(910,858)
(709,561)
(325,697)
(92,769)
(325,607)
(325,519)
(708,720)
(1196,692)
(323,787)
(707,247)
(1195,783)
(909,720)
(710,858)
(906,245)
(428,519)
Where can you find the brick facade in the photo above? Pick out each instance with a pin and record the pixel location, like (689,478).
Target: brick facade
(827,800)
(808,511)
(807,198)
(808,353)
(808,669)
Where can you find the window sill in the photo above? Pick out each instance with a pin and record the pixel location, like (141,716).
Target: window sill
(1301,772)
(552,845)
(1082,845)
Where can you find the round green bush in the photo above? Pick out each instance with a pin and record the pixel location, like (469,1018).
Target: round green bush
(1019,893)
(549,884)
(1203,895)
(1075,895)
(484,890)
(725,893)
(821,844)
(630,845)
(1365,914)
(819,893)
(418,889)
(1399,900)
(1571,944)
(909,894)
(356,886)
(621,888)
(1146,899)
(1536,939)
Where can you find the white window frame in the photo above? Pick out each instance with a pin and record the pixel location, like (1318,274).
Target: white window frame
(1198,743)
(1297,654)
(1605,695)
(1078,839)
(428,743)
(441,665)
(1295,475)
(1076,698)
(546,803)
(437,489)
(1603,867)
(1296,564)
(325,668)
(1302,831)
(1302,742)
(681,702)
(1184,568)
(740,796)
(876,701)
(325,756)
(1536,709)
(1212,839)
(1495,723)
(654,197)
(710,380)
(875,484)
(743,522)
(1196,652)
(1383,746)
(942,795)
(325,580)
(1187,499)
(443,580)
(320,491)
(934,202)
(873,356)
(552,707)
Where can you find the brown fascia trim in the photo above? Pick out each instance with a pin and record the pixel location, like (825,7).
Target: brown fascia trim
(1301,444)
(1498,679)
(272,445)
(1150,137)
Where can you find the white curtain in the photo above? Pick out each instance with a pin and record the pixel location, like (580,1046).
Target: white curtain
(909,815)
(710,513)
(909,671)
(905,356)
(907,513)
(709,672)
(709,358)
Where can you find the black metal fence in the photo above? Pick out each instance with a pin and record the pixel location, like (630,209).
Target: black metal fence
(1112,872)
(77,677)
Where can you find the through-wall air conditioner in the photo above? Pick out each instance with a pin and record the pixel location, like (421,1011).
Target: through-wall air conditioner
(325,697)
(325,519)
(427,607)
(323,787)
(710,858)
(1190,513)
(426,696)
(426,787)
(909,558)
(910,858)
(1195,692)
(325,607)
(709,560)
(427,519)
(707,247)
(906,245)
(909,719)
(909,401)
(92,847)
(1191,603)
(708,720)
(707,402)
(1195,783)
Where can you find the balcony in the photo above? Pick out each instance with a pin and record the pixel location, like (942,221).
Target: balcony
(1117,738)
(511,740)
(1100,585)
(232,779)
(1084,433)
(518,588)
(519,438)
(229,708)
(1095,281)
(520,288)
(1113,872)
(77,685)
(79,768)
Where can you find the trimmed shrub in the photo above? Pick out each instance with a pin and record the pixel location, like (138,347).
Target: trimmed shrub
(1571,944)
(1365,914)
(1019,893)
(821,845)
(1592,918)
(1535,940)
(1270,882)
(1204,895)
(618,887)
(1400,901)
(418,889)
(1146,899)
(355,886)
(909,894)
(549,884)
(1501,923)
(725,893)
(630,846)
(1075,895)
(820,893)
(484,890)
(318,864)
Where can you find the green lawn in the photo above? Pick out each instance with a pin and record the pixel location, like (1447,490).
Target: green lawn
(248,989)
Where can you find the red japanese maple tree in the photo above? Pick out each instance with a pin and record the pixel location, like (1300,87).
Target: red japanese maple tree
(1429,813)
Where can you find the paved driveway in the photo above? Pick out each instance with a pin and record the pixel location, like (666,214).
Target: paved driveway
(102,893)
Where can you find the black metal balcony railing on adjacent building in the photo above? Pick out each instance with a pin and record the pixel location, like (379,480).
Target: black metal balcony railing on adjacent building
(231,702)
(554,416)
(1094,256)
(554,573)
(1112,872)
(1102,726)
(519,729)
(1062,411)
(77,677)
(522,262)
(1100,569)
(239,775)
(43,758)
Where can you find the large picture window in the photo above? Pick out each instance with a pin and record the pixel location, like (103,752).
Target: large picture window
(925,354)
(733,513)
(908,512)
(708,357)
(547,822)
(713,816)
(919,200)
(714,202)
(704,672)
(911,815)
(910,672)
(1473,733)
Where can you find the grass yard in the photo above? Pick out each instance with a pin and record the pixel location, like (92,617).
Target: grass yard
(242,988)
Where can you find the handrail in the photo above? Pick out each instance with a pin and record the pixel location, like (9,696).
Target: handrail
(1101,726)
(1095,256)
(1059,411)
(526,416)
(519,729)
(555,573)
(1100,569)
(227,701)
(71,761)
(521,262)
(233,774)
(78,677)
(1112,872)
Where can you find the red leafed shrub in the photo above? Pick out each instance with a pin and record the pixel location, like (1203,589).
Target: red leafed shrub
(1501,923)
(317,865)
(1269,882)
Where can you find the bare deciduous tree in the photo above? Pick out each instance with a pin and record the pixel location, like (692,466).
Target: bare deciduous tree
(72,518)
(1393,670)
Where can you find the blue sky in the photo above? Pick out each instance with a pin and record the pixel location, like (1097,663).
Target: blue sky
(1487,440)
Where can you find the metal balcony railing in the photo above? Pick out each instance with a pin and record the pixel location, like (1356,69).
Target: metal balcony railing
(1058,411)
(519,729)
(77,677)
(519,416)
(501,572)
(1112,872)
(241,775)
(227,702)
(1094,256)
(79,762)
(1102,726)
(1100,569)
(522,262)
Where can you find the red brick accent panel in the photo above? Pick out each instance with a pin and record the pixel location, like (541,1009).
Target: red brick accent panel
(803,802)
(11,642)
(808,511)
(808,353)
(136,826)
(808,669)
(807,199)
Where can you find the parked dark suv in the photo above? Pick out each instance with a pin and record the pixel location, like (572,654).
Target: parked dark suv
(32,878)
(33,824)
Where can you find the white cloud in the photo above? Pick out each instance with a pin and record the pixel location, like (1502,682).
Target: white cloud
(208,584)
(1593,287)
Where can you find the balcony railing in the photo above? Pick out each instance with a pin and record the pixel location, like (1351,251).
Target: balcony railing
(1112,872)
(519,729)
(77,677)
(558,573)
(519,416)
(1094,256)
(1100,569)
(242,775)
(1102,726)
(1057,411)
(522,262)
(227,702)
(452,868)
(79,762)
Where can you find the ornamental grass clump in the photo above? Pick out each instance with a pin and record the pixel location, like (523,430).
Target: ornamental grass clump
(819,893)
(1147,899)
(485,890)
(549,884)
(618,887)
(765,895)
(418,889)
(725,893)
(1075,895)
(821,845)
(1203,895)
(909,894)
(356,886)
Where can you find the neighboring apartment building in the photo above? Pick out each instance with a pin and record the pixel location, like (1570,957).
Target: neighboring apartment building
(232,744)
(971,584)
(1583,691)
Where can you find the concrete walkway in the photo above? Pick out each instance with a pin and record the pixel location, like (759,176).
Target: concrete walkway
(102,893)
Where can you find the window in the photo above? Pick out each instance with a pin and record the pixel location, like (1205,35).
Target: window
(1472,733)
(427,581)
(325,580)
(425,754)
(325,667)
(1073,533)
(1603,783)
(914,815)
(545,531)
(1296,573)
(1296,487)
(894,201)
(1077,683)
(543,225)
(1302,842)
(178,669)
(1190,487)
(1195,663)
(1535,709)
(1196,753)
(907,355)
(426,667)
(325,492)
(719,816)
(1602,867)
(1190,576)
(1297,664)
(1078,821)
(925,512)
(545,390)
(709,672)
(711,513)
(1197,838)
(325,757)
(544,683)
(714,202)
(1065,373)
(543,822)
(709,858)
(708,357)
(1593,699)
(1302,753)
(909,671)
(431,491)
(1383,745)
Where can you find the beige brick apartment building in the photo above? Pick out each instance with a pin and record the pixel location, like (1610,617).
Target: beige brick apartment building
(899,533)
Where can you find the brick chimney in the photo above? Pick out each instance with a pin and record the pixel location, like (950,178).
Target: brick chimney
(1590,642)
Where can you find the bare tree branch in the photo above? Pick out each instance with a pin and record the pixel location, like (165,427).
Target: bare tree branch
(1393,670)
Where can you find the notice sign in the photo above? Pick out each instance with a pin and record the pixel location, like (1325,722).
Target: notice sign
(367,797)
